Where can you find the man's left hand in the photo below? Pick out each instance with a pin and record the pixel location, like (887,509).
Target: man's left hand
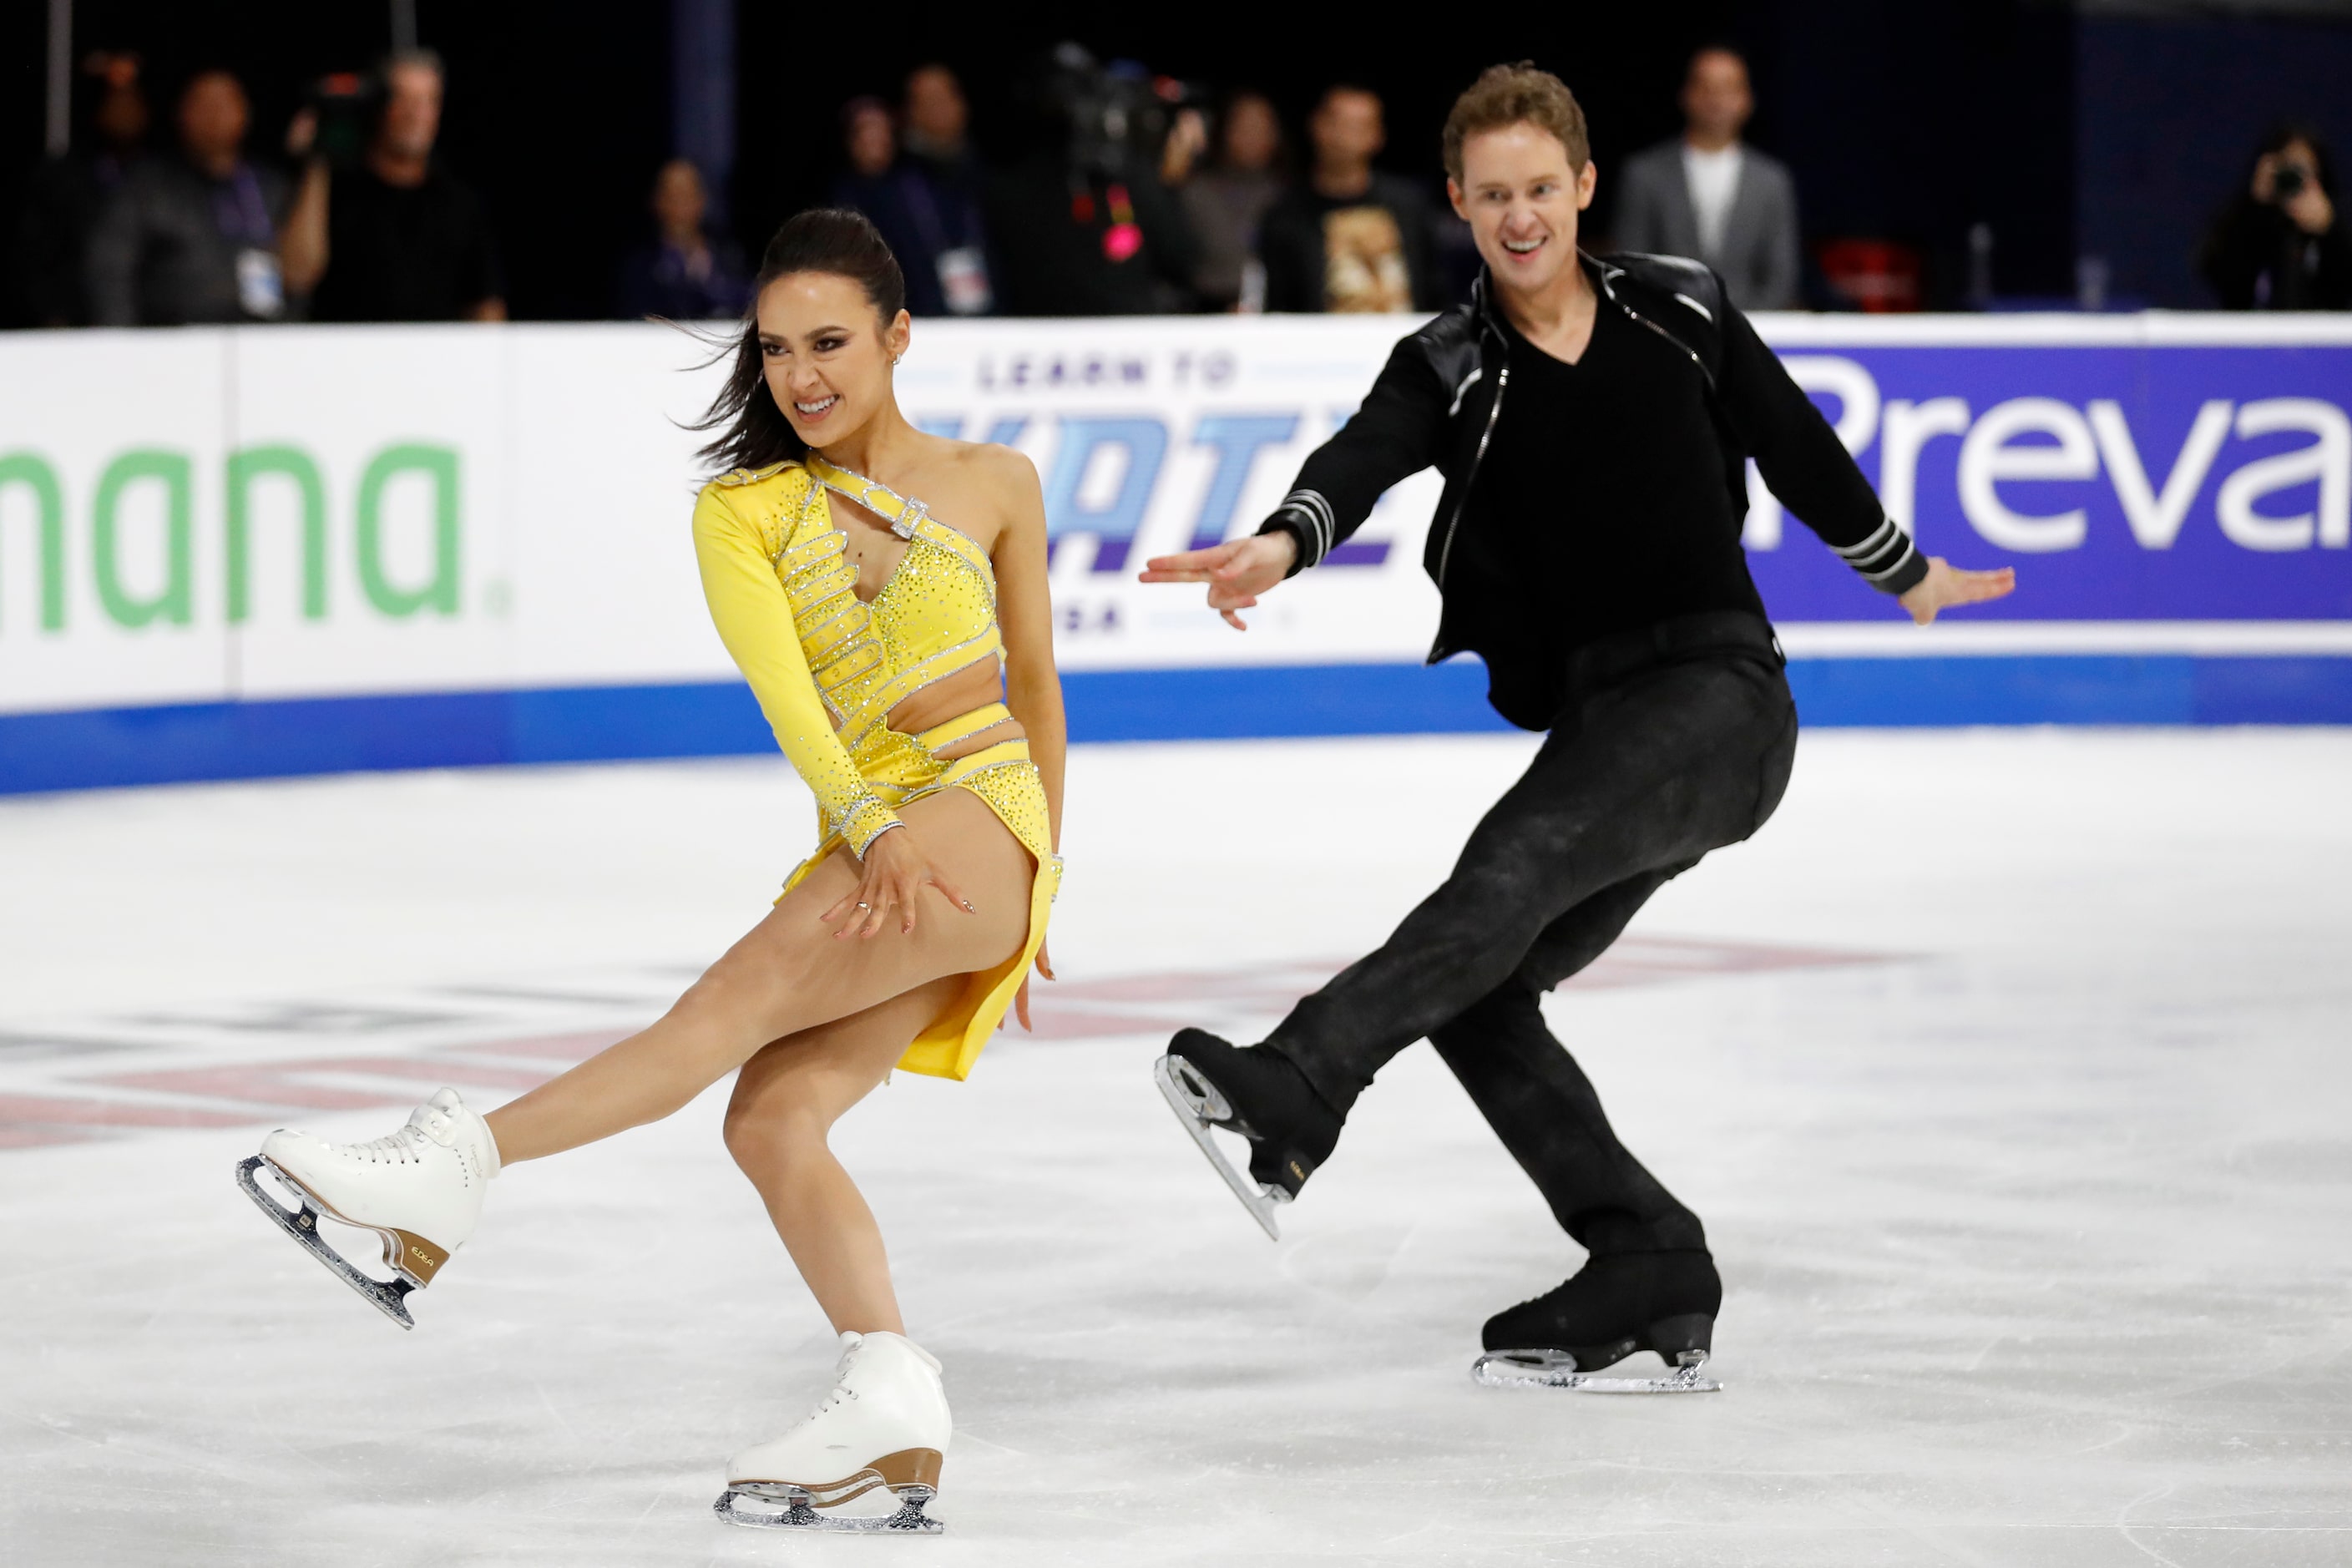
(1946,587)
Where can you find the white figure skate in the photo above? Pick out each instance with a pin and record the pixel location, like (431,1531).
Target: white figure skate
(885,1424)
(420,1190)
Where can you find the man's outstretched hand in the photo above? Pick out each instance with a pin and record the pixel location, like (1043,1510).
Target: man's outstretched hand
(1946,587)
(1236,572)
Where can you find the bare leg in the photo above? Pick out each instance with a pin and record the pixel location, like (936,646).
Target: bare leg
(789,974)
(786,1100)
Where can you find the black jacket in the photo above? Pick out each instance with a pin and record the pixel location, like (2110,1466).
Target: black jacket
(1437,403)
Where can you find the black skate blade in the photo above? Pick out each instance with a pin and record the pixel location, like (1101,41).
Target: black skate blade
(1200,1111)
(792,1511)
(303,1225)
(1557,1369)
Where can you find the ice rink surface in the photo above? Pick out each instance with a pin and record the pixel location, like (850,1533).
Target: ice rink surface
(2009,1071)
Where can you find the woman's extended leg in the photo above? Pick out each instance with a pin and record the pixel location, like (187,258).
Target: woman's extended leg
(787,1098)
(790,973)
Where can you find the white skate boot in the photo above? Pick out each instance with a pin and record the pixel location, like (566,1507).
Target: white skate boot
(885,1424)
(421,1190)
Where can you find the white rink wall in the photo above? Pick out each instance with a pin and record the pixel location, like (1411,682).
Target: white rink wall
(257,550)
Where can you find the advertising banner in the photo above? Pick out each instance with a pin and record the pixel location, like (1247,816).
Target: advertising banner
(243,517)
(2150,474)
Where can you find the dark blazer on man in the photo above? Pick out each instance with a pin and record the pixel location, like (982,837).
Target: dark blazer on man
(1758,258)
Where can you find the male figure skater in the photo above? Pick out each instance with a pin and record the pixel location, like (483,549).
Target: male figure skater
(1591,418)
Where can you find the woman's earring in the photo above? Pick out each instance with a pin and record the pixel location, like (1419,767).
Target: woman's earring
(895,359)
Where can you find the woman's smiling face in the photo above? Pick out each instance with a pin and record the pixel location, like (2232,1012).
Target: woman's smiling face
(826,354)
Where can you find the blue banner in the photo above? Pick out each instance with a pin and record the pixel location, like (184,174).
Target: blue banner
(2142,482)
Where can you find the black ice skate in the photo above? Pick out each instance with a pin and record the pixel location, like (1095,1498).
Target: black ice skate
(1209,1082)
(1613,1307)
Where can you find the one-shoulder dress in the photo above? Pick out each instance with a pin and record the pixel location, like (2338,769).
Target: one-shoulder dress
(828,667)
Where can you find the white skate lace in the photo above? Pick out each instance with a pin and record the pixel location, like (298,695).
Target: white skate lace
(405,1147)
(841,1389)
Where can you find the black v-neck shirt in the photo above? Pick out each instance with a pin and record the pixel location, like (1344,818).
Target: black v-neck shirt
(1596,509)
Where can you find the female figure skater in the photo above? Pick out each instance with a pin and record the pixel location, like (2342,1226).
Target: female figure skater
(904,661)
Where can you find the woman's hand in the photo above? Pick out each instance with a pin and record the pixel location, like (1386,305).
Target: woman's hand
(1946,587)
(893,872)
(1236,572)
(1021,997)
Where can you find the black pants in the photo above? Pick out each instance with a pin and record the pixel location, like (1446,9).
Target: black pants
(1669,755)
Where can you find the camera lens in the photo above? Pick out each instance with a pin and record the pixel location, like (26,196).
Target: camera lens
(2288,181)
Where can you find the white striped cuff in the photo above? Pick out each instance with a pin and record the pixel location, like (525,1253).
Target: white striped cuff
(1883,557)
(1319,530)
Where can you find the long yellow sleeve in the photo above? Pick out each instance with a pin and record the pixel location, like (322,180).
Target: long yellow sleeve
(755,621)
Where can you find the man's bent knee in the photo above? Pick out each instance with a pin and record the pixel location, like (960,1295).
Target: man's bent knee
(1508,1005)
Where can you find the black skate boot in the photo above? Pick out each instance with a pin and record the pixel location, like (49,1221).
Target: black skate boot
(1617,1304)
(1261,1095)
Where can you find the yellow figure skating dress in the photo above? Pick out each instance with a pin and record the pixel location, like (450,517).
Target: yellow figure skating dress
(828,667)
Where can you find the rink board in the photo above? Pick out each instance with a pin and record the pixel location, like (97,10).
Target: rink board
(230,552)
(176,744)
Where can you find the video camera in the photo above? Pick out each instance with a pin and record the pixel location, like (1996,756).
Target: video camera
(1118,114)
(347,105)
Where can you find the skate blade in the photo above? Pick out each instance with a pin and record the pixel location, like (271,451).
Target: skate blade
(303,1225)
(1550,1369)
(792,1511)
(1199,1112)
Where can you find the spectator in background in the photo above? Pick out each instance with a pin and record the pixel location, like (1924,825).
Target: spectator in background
(947,265)
(1226,202)
(68,194)
(194,237)
(868,180)
(869,142)
(1352,239)
(398,238)
(683,274)
(1709,196)
(2281,246)
(923,191)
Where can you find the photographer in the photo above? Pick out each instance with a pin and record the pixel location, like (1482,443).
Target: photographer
(1086,226)
(2281,246)
(397,237)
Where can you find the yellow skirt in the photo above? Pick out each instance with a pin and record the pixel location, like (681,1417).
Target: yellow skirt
(1008,782)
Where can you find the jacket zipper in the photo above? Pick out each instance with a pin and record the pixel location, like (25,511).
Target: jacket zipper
(1636,315)
(1494,412)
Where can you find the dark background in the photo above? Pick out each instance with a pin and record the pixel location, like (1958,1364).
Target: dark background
(2116,133)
